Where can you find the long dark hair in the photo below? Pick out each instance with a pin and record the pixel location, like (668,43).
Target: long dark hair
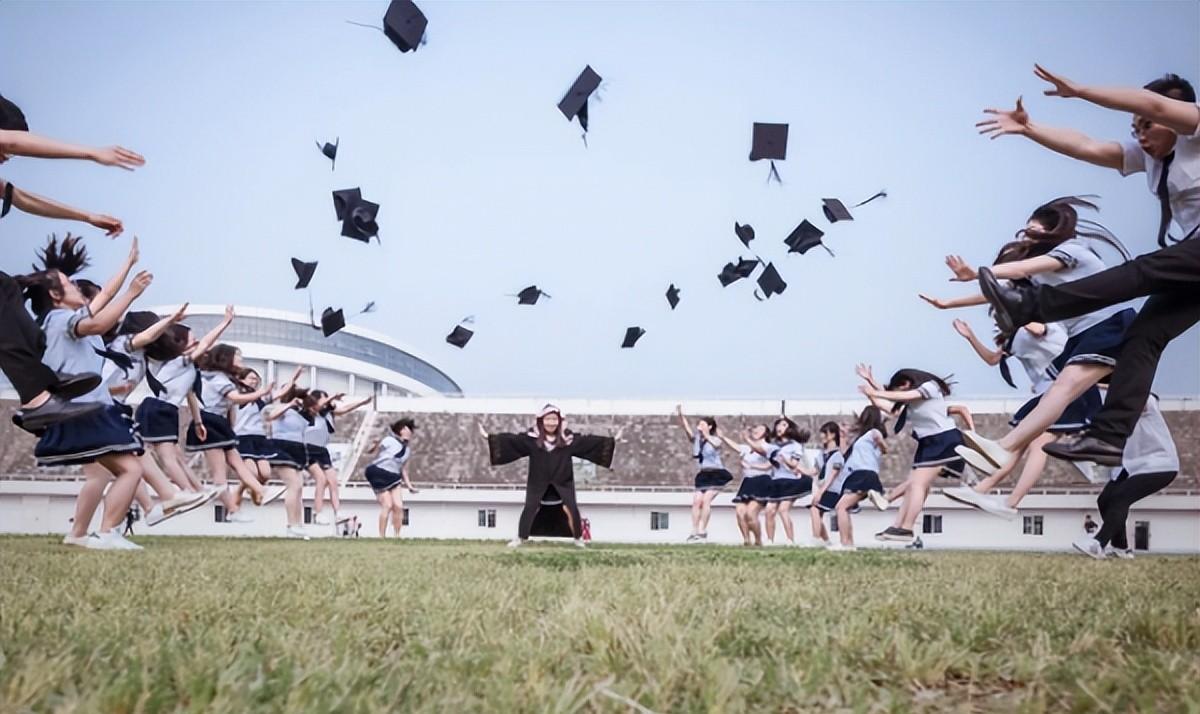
(219,359)
(832,428)
(871,417)
(1060,222)
(42,287)
(712,424)
(170,344)
(792,433)
(917,377)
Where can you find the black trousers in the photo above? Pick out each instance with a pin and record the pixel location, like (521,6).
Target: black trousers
(21,344)
(1171,277)
(533,502)
(1116,498)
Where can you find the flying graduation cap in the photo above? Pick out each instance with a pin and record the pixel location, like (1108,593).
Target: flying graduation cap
(575,102)
(804,238)
(405,24)
(632,335)
(357,215)
(673,295)
(732,272)
(304,272)
(770,283)
(330,151)
(459,336)
(744,233)
(530,295)
(836,211)
(769,142)
(332,321)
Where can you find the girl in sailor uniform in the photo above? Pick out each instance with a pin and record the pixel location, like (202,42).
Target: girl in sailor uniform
(73,327)
(1035,346)
(918,398)
(830,479)
(859,475)
(711,476)
(388,471)
(755,490)
(288,422)
(213,435)
(324,409)
(174,381)
(253,446)
(791,475)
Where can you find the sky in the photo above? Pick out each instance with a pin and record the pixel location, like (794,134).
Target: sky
(486,188)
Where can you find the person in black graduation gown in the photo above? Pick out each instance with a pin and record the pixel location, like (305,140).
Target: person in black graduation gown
(549,446)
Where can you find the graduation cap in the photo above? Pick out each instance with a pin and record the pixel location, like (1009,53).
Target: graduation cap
(770,282)
(673,295)
(769,142)
(732,272)
(530,295)
(575,102)
(304,272)
(332,321)
(835,210)
(632,335)
(330,151)
(744,233)
(405,24)
(356,214)
(460,336)
(804,238)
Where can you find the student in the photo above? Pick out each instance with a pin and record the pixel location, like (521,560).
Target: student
(73,344)
(790,474)
(1149,464)
(918,398)
(288,423)
(711,476)
(1056,246)
(45,396)
(1035,346)
(859,475)
(323,409)
(389,470)
(253,446)
(755,490)
(549,446)
(1166,127)
(830,478)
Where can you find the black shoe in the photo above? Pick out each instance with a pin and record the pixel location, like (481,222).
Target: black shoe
(1013,307)
(898,535)
(1081,447)
(75,385)
(56,410)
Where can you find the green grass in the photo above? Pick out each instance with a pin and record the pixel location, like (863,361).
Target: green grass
(366,626)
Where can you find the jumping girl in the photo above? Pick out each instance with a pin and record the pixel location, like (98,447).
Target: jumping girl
(711,477)
(323,409)
(859,476)
(828,489)
(253,446)
(288,423)
(755,490)
(388,471)
(791,476)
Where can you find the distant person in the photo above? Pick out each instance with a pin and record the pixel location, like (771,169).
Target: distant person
(754,492)
(859,475)
(1089,526)
(288,423)
(389,470)
(711,474)
(324,408)
(830,479)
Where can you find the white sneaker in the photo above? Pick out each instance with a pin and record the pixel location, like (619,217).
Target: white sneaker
(878,500)
(982,453)
(809,544)
(320,519)
(273,496)
(839,548)
(579,543)
(804,501)
(156,515)
(1088,469)
(984,502)
(113,540)
(693,538)
(1089,546)
(1122,554)
(239,517)
(81,541)
(296,532)
(516,543)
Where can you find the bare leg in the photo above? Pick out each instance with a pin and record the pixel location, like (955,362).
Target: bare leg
(318,475)
(697,506)
(785,517)
(995,479)
(739,512)
(769,516)
(155,479)
(217,469)
(1035,464)
(173,466)
(385,512)
(1071,383)
(291,498)
(818,525)
(398,513)
(331,481)
(845,528)
(97,479)
(918,491)
(752,510)
(248,478)
(706,509)
(128,471)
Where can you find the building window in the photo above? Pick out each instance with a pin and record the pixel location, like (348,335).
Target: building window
(660,520)
(487,517)
(1033,525)
(404,520)
(1141,535)
(308,514)
(931,524)
(219,513)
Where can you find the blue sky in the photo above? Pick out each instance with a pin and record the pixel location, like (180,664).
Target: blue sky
(486,188)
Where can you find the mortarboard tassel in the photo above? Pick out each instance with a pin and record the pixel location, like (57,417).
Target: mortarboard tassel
(774,174)
(881,194)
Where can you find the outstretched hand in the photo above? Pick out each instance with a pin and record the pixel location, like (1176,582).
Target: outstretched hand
(936,302)
(863,370)
(963,272)
(112,227)
(1063,87)
(963,329)
(180,314)
(1013,121)
(120,157)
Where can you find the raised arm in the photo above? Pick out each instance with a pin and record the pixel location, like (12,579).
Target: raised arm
(113,286)
(954,303)
(279,411)
(1179,116)
(683,422)
(880,442)
(36,205)
(733,444)
(407,483)
(240,398)
(206,343)
(197,422)
(962,412)
(1068,142)
(287,387)
(142,339)
(23,143)
(107,318)
(990,356)
(346,409)
(1017,269)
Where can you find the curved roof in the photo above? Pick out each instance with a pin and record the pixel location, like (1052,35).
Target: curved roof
(278,327)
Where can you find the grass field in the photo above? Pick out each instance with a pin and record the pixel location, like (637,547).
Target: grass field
(368,626)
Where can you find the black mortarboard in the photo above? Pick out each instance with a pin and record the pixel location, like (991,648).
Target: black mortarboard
(330,150)
(835,210)
(574,102)
(345,199)
(632,335)
(404,24)
(733,272)
(744,233)
(332,321)
(769,142)
(770,281)
(304,272)
(673,295)
(460,336)
(357,215)
(804,238)
(530,295)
